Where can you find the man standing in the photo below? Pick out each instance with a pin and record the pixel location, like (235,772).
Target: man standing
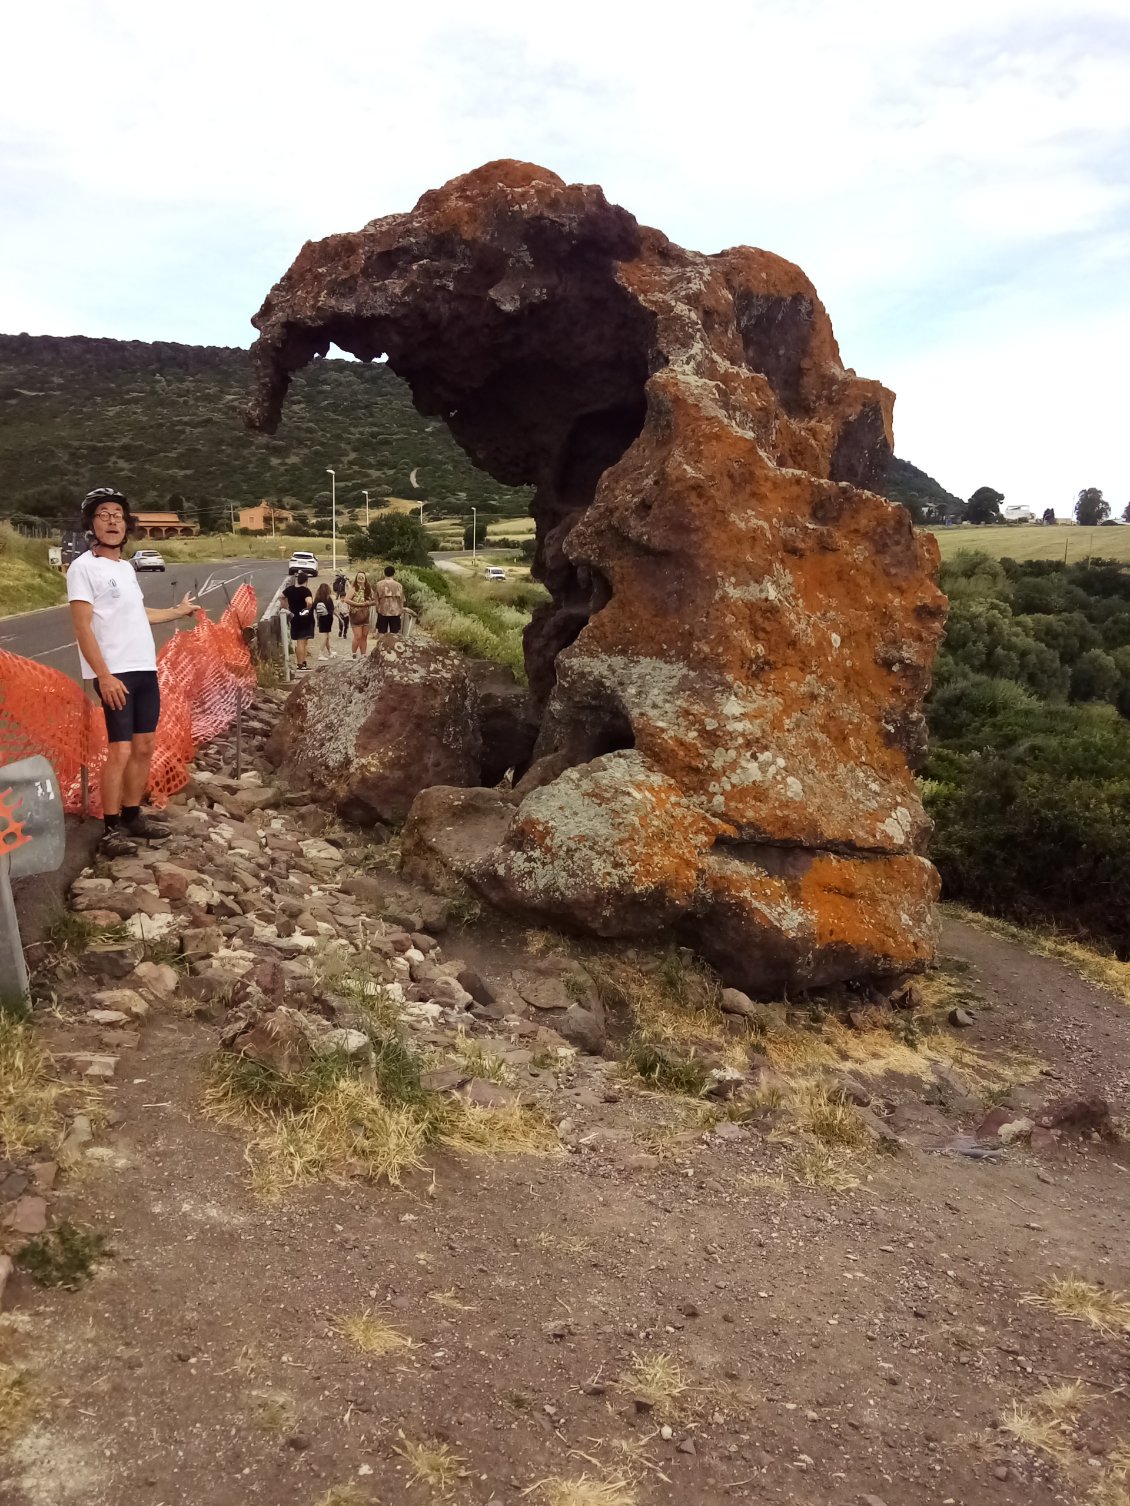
(390,602)
(117,651)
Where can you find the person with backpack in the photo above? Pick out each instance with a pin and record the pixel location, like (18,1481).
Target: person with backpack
(323,620)
(300,605)
(114,634)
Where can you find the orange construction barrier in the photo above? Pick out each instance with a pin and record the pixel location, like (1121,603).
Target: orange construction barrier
(204,675)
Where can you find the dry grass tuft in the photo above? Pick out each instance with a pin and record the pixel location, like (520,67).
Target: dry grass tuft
(657,1380)
(450,1300)
(431,1464)
(1083,1302)
(515,1129)
(762,1181)
(586,1490)
(1110,1491)
(472,1056)
(17,1401)
(342,1495)
(370,1333)
(1046,1435)
(1062,1400)
(29,1114)
(828,1119)
(275,1411)
(562,1244)
(338,1120)
(674,1002)
(816,1166)
(1089,962)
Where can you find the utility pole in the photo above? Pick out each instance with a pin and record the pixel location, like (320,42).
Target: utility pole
(365,494)
(474,532)
(333,512)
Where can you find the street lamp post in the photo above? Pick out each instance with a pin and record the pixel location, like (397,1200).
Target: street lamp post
(474,532)
(365,494)
(333,512)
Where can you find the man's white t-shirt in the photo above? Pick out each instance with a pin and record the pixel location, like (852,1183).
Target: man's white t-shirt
(121,628)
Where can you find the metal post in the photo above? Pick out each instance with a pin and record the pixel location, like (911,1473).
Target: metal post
(333,512)
(474,532)
(13,968)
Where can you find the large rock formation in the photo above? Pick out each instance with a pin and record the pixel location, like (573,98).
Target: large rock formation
(740,636)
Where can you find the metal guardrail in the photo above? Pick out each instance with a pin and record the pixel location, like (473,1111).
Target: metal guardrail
(33,839)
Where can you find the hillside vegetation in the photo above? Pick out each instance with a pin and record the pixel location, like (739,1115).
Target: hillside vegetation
(164,421)
(1028,777)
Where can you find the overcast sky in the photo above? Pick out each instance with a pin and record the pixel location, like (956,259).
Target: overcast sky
(955,179)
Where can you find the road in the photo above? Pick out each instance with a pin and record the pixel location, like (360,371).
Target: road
(49,638)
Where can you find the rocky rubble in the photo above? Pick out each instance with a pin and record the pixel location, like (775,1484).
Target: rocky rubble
(731,670)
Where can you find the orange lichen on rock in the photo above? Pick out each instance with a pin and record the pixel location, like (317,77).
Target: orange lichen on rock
(741,634)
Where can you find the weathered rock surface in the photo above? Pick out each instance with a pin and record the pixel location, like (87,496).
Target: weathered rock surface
(733,663)
(378,731)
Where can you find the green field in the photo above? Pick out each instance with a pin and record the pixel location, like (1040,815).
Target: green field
(1036,542)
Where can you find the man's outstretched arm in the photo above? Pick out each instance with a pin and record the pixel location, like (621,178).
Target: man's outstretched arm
(186,607)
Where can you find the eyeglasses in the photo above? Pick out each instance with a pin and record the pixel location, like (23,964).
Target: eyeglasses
(107,515)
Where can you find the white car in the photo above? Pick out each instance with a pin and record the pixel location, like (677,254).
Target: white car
(148,559)
(302,560)
(495,572)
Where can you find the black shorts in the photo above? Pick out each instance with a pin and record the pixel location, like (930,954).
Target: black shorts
(387,624)
(142,709)
(301,628)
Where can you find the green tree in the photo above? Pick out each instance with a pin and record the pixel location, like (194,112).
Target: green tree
(1096,677)
(984,506)
(469,536)
(398,538)
(211,514)
(1091,507)
(1049,517)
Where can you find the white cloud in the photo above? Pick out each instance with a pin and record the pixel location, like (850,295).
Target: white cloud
(952,178)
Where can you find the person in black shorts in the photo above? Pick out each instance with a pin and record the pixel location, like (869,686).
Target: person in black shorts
(117,652)
(300,605)
(390,602)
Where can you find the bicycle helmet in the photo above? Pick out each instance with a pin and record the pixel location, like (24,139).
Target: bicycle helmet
(92,501)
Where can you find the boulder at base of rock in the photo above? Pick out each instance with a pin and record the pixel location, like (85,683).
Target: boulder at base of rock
(377,731)
(731,668)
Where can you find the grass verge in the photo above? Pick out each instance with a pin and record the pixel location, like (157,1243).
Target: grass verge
(26,580)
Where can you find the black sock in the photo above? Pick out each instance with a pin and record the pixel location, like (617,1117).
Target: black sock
(130,813)
(112,822)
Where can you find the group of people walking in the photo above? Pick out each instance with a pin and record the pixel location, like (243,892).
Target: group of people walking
(349,604)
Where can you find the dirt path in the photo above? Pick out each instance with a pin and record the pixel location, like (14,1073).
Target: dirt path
(660,1306)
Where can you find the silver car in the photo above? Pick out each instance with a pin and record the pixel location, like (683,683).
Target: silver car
(148,559)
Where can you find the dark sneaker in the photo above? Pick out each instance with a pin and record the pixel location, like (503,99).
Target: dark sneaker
(115,844)
(144,829)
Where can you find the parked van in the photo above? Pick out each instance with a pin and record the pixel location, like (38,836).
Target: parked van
(495,572)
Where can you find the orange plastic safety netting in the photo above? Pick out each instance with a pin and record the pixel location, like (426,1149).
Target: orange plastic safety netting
(204,675)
